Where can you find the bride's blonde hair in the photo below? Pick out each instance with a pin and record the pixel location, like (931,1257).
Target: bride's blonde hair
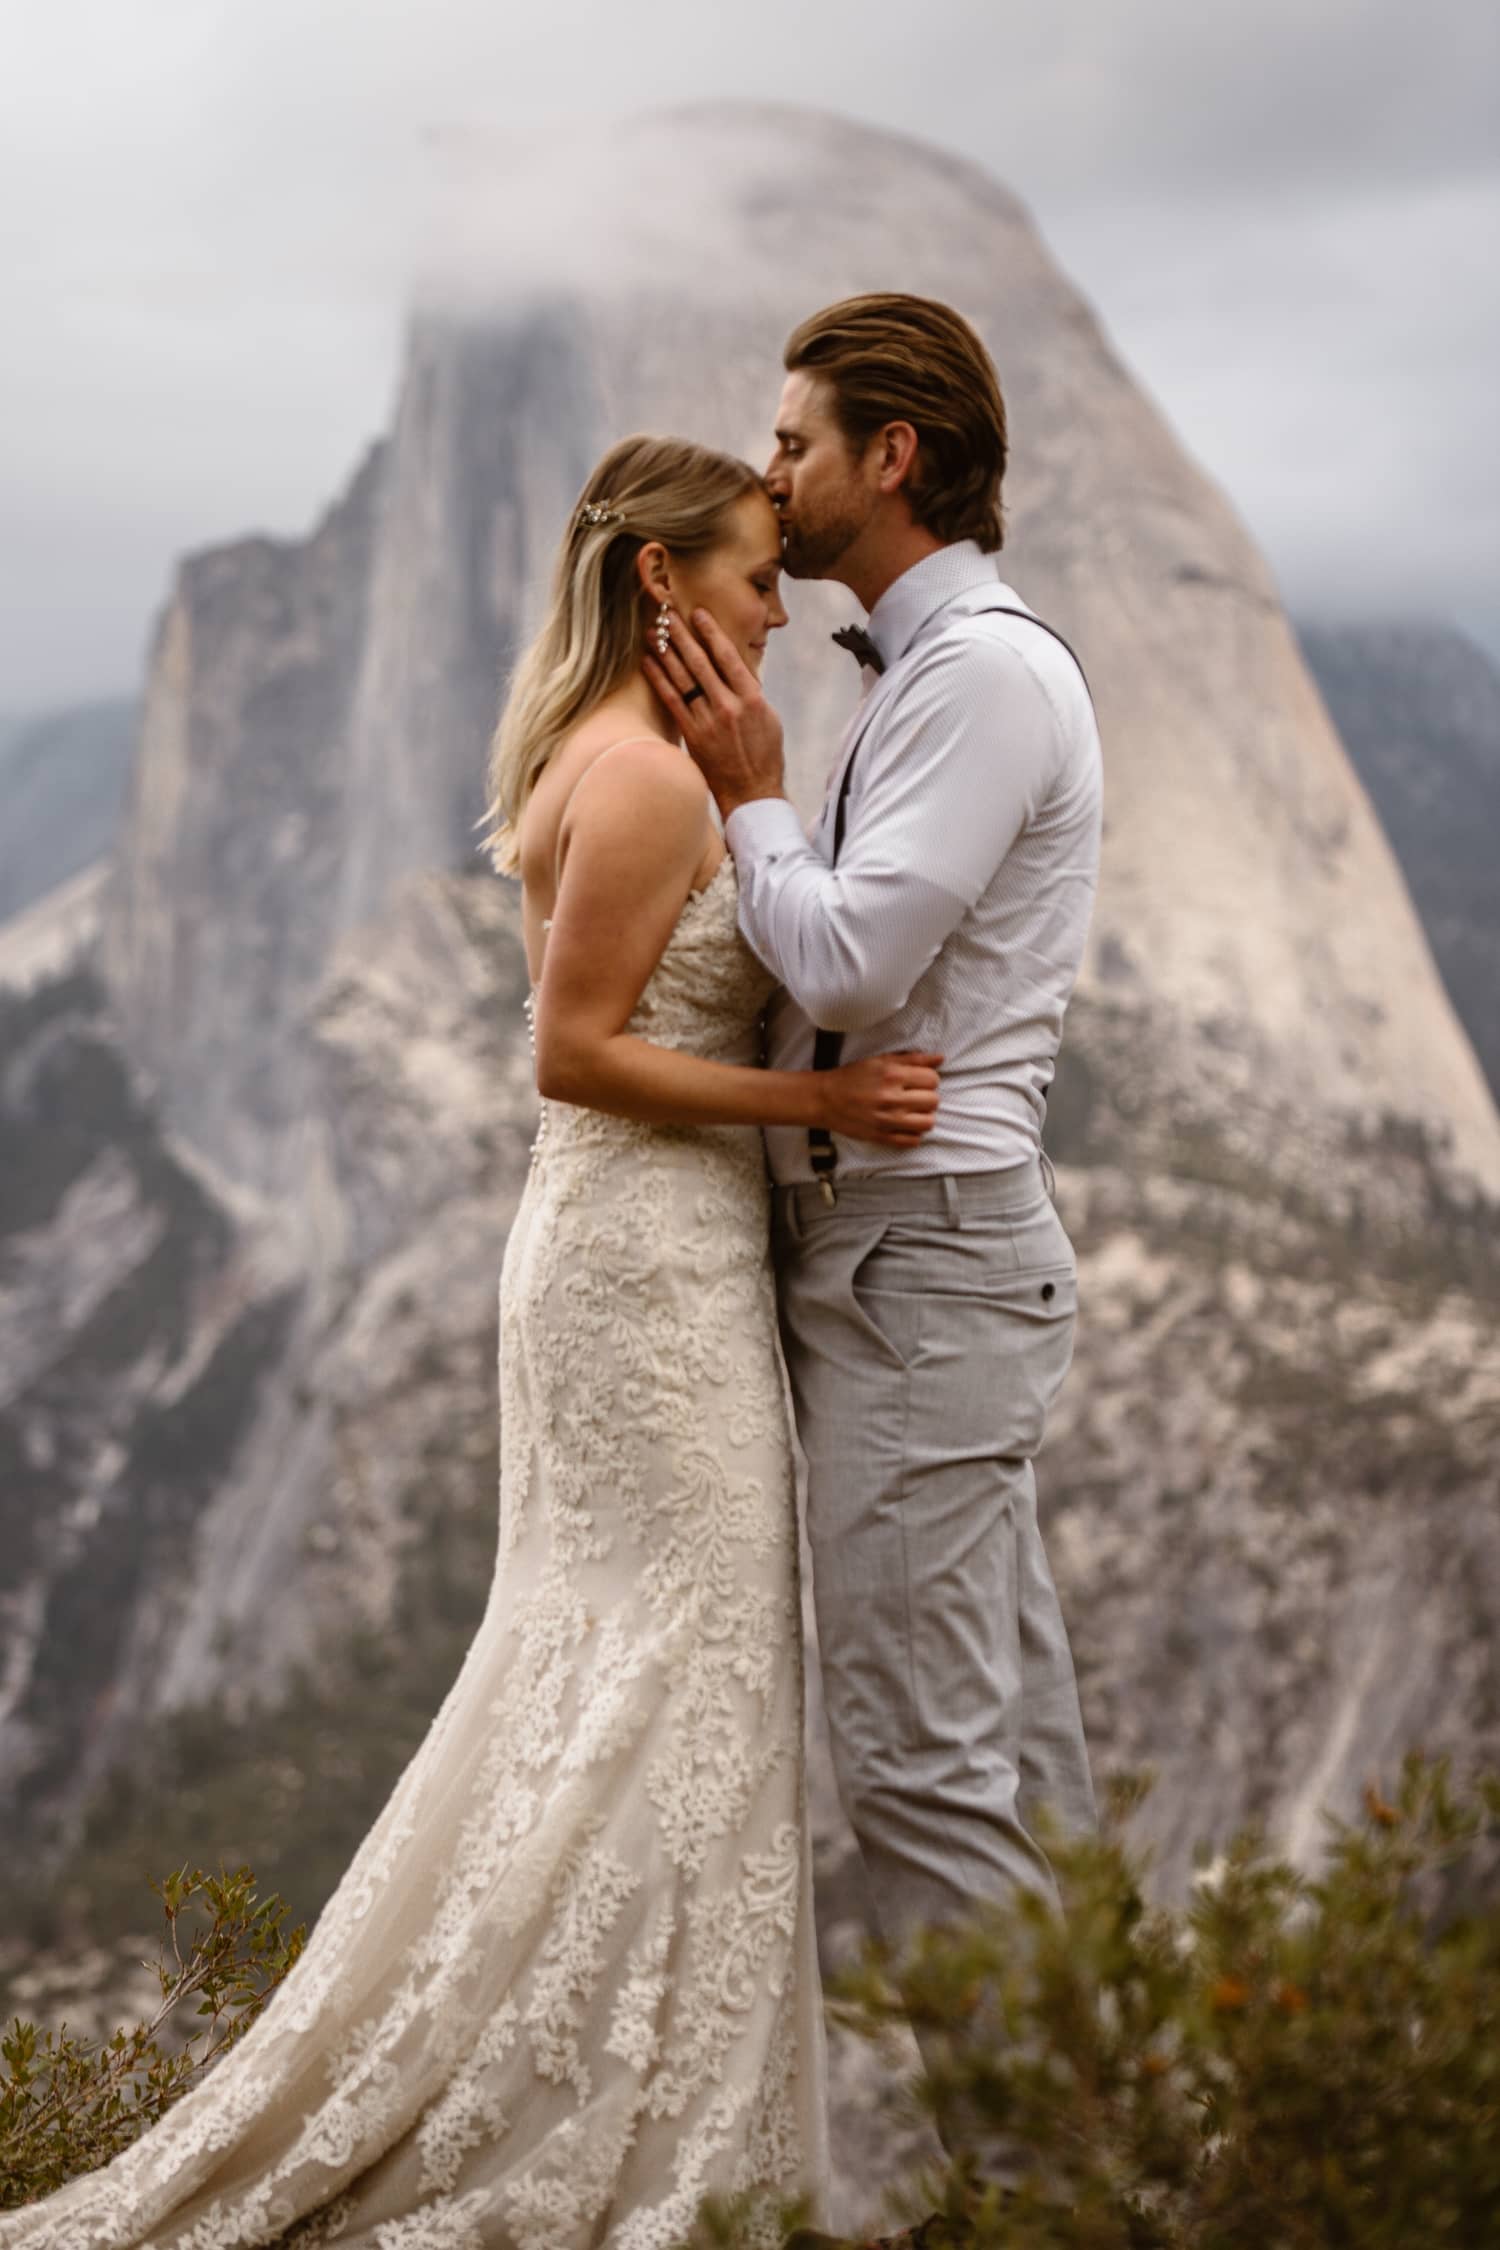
(591,640)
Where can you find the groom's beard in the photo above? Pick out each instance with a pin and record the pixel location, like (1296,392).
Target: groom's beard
(815,544)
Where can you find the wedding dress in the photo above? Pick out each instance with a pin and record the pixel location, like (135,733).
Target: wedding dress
(568,1984)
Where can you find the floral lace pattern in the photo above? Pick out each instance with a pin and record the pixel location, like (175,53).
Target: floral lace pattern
(568,1984)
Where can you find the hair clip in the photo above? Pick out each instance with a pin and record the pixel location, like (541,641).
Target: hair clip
(599,511)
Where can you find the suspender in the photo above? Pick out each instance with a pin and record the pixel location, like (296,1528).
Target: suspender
(828,1045)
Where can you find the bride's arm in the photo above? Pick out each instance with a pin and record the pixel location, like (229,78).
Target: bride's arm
(634,836)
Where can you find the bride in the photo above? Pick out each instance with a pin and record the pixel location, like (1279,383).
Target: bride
(568,1985)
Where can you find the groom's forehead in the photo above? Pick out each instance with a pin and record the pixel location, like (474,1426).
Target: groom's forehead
(804,403)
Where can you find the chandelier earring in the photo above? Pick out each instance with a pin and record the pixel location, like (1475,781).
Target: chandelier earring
(662,632)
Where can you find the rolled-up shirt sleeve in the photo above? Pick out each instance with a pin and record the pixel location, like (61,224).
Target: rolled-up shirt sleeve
(962,761)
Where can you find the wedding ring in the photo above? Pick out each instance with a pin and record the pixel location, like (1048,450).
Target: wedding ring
(692,691)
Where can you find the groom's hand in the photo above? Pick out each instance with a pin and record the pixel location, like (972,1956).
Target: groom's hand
(730,729)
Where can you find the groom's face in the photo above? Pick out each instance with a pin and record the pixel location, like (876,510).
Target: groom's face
(816,479)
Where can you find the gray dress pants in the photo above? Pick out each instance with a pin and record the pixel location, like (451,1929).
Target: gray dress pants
(927,1325)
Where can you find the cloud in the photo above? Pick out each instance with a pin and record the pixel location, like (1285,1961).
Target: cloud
(1334,376)
(626,205)
(211,215)
(1271,100)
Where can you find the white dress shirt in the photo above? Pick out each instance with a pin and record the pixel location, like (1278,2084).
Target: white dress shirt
(956,918)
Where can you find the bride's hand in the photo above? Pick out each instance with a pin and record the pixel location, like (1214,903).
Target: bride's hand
(892,1099)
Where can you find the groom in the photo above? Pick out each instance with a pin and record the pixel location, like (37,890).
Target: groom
(941,904)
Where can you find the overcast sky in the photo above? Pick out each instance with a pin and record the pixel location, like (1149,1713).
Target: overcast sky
(1286,211)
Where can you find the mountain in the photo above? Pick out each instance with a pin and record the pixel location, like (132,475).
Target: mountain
(188,1408)
(62,787)
(261,1136)
(1418,709)
(316,714)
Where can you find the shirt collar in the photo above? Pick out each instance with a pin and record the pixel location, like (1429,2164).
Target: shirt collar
(905,606)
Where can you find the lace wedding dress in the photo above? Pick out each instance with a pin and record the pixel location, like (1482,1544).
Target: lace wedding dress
(568,1984)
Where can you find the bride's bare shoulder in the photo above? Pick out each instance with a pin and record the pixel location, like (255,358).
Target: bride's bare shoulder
(642,810)
(639,773)
(612,791)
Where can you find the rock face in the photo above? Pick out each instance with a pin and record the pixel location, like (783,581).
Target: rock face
(1418,708)
(224,906)
(260,1141)
(57,934)
(216,1455)
(136,1327)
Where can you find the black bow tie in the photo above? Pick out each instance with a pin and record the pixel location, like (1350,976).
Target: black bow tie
(858,642)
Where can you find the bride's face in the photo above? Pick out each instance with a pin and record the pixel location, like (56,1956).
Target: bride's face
(738,581)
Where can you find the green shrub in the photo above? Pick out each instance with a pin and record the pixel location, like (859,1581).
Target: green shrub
(1290,2062)
(67,2105)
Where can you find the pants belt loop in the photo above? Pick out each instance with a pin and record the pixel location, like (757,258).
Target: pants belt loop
(952,1208)
(790,1212)
(1049,1177)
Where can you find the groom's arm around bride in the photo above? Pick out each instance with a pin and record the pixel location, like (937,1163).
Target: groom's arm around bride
(941,902)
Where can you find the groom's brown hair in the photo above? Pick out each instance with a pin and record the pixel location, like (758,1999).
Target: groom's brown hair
(894,358)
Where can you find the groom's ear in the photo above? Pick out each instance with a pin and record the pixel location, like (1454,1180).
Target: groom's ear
(894,453)
(651,568)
